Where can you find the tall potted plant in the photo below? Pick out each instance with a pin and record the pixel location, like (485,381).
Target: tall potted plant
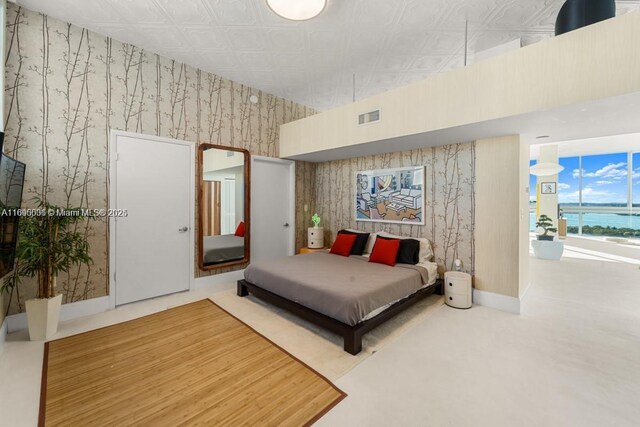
(546,224)
(48,244)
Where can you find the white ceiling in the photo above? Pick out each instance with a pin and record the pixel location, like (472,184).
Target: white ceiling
(385,43)
(602,145)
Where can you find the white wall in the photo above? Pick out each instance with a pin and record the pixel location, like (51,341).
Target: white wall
(547,204)
(239,197)
(586,147)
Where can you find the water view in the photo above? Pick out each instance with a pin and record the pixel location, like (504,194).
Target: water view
(590,182)
(600,224)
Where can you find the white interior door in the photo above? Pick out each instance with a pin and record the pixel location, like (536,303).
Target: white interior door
(153,180)
(272,208)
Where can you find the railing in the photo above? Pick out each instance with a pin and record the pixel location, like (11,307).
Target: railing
(604,221)
(599,221)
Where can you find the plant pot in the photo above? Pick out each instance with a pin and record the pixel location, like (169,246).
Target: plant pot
(43,315)
(544,249)
(546,238)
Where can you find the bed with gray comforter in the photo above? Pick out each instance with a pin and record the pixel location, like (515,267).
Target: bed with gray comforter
(222,248)
(346,289)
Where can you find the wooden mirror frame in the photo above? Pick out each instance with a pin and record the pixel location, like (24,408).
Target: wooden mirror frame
(247,207)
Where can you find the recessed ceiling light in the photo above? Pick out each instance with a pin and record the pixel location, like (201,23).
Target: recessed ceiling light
(297,10)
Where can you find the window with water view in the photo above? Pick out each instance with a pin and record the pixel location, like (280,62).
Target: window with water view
(636,180)
(599,195)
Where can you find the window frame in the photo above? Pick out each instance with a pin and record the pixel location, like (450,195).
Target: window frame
(580,209)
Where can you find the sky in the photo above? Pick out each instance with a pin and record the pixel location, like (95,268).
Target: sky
(604,179)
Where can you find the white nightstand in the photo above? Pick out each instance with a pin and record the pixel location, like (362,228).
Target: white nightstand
(315,238)
(458,292)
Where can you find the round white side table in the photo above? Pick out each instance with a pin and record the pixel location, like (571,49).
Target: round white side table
(315,237)
(458,292)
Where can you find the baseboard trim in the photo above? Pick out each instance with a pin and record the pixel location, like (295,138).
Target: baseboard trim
(497,301)
(524,295)
(3,335)
(73,310)
(17,322)
(214,281)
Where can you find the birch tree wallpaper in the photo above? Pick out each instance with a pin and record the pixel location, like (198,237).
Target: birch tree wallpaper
(449,199)
(63,97)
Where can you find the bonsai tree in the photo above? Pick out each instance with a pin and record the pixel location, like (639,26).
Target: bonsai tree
(546,224)
(48,244)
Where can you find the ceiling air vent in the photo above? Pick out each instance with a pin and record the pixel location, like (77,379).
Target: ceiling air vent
(370,117)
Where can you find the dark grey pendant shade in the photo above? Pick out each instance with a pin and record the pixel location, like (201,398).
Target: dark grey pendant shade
(575,14)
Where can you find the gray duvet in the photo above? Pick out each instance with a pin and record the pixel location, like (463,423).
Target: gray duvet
(343,288)
(222,248)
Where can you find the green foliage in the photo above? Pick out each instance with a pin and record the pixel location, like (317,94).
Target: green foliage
(316,219)
(546,224)
(599,230)
(48,245)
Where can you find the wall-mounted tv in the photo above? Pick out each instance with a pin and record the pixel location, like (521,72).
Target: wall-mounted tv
(11,183)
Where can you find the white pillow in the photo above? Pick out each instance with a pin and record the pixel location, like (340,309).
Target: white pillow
(372,239)
(426,251)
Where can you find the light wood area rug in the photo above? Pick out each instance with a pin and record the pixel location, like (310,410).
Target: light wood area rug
(316,346)
(190,365)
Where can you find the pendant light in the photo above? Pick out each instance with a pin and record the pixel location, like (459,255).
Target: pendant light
(546,169)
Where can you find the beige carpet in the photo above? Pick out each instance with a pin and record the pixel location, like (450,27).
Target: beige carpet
(316,346)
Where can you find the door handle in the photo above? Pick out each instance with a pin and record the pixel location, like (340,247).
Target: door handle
(183,229)
(286,224)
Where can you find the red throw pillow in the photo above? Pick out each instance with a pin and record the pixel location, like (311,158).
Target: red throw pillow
(240,230)
(385,251)
(343,244)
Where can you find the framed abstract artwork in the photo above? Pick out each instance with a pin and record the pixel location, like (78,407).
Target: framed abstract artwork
(548,188)
(390,195)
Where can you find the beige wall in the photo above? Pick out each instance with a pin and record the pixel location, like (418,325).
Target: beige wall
(523,201)
(575,67)
(501,238)
(305,197)
(2,55)
(449,199)
(93,83)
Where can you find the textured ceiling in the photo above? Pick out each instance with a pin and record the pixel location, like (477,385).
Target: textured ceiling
(385,43)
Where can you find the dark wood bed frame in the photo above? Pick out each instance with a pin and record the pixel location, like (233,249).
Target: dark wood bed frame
(352,334)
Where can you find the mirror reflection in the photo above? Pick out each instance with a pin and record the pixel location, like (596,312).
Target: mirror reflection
(222,206)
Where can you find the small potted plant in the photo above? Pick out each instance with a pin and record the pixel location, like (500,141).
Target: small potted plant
(546,224)
(48,244)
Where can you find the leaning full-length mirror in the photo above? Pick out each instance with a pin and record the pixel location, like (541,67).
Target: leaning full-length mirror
(224,206)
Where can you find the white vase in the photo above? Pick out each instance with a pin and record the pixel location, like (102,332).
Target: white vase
(43,315)
(315,238)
